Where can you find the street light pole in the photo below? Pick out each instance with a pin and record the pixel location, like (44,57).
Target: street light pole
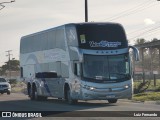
(86,11)
(9,62)
(8,2)
(1,4)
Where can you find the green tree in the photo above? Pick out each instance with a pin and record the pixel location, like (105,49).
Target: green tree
(140,41)
(13,65)
(154,39)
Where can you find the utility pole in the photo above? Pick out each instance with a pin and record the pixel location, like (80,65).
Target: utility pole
(9,64)
(86,10)
(2,6)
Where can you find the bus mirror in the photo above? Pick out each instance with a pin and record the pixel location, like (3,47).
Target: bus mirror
(77,69)
(135,52)
(76,54)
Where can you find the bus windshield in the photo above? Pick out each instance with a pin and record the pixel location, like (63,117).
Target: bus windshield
(106,68)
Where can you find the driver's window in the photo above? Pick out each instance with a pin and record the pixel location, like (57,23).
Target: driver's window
(77,69)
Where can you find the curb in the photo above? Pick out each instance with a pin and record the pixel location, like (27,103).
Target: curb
(145,102)
(152,102)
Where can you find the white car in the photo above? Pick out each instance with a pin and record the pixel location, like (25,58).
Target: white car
(5,87)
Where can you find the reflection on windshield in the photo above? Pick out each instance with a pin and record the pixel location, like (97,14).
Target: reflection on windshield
(106,67)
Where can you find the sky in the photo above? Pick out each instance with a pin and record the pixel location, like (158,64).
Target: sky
(140,18)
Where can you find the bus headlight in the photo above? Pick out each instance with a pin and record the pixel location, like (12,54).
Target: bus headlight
(92,88)
(126,86)
(88,87)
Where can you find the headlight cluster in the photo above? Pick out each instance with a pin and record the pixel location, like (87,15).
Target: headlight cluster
(127,86)
(93,88)
(8,85)
(89,87)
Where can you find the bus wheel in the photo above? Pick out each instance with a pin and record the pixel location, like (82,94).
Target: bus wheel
(34,95)
(112,100)
(69,99)
(29,92)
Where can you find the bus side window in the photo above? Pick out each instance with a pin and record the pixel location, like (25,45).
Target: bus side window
(21,72)
(46,75)
(77,70)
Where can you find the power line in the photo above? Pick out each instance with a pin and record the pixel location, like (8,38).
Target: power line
(153,32)
(130,10)
(144,28)
(148,31)
(133,10)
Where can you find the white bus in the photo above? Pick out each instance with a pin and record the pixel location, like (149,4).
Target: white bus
(78,61)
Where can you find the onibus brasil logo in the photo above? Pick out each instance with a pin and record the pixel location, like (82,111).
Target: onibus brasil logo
(104,43)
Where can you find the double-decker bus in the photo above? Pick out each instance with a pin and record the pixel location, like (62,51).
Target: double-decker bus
(78,61)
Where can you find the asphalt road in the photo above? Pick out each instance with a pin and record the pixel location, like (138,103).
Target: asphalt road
(20,102)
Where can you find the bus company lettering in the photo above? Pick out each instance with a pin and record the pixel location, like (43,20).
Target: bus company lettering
(104,43)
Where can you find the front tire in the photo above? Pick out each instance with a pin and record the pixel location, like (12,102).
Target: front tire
(69,98)
(34,95)
(112,100)
(29,92)
(8,93)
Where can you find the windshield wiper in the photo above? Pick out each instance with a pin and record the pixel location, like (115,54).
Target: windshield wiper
(100,77)
(122,74)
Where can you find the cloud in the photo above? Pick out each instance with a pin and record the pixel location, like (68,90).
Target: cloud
(149,21)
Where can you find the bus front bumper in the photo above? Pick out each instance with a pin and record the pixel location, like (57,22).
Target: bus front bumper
(105,94)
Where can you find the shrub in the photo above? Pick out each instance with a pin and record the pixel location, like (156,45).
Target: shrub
(12,81)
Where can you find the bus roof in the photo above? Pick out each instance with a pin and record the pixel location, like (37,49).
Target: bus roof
(74,24)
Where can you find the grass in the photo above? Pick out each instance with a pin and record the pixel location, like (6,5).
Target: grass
(18,87)
(151,94)
(151,86)
(147,96)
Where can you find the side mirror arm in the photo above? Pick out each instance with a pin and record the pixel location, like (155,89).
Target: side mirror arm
(136,52)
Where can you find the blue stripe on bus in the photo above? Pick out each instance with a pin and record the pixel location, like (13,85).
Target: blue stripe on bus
(46,86)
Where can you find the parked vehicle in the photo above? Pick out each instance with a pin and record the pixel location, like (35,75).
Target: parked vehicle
(5,87)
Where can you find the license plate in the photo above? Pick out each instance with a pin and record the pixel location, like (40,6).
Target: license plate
(110,96)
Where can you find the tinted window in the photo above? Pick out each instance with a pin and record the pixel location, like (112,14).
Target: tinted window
(43,41)
(46,75)
(52,39)
(71,35)
(101,36)
(60,42)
